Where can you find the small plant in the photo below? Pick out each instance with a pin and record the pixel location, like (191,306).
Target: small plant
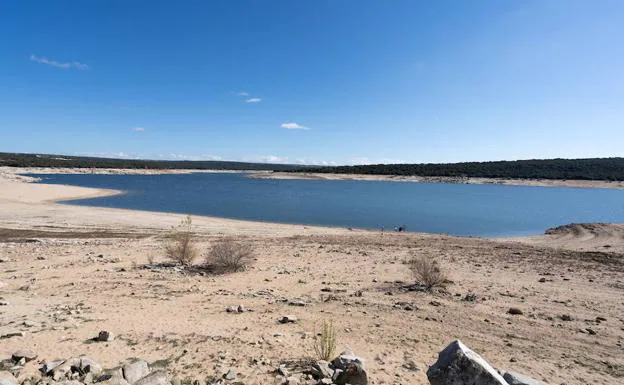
(427,272)
(182,249)
(229,256)
(325,342)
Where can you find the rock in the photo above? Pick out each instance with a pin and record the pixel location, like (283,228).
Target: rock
(240,309)
(64,370)
(26,354)
(514,378)
(542,280)
(230,375)
(435,303)
(292,381)
(231,309)
(326,381)
(296,302)
(105,336)
(288,319)
(7,378)
(134,371)
(283,371)
(29,372)
(13,334)
(353,374)
(590,331)
(113,380)
(158,377)
(458,365)
(176,381)
(345,358)
(566,317)
(514,311)
(50,366)
(4,303)
(88,366)
(320,369)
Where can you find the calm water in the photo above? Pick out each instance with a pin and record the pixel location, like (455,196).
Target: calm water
(459,209)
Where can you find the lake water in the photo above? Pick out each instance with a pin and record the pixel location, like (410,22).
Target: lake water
(458,209)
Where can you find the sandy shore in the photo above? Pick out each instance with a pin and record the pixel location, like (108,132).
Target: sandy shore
(67,272)
(439,179)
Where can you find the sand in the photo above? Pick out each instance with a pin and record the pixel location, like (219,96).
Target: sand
(69,272)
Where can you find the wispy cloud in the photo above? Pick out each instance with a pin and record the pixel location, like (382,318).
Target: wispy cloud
(293,126)
(62,65)
(253,100)
(138,129)
(242,93)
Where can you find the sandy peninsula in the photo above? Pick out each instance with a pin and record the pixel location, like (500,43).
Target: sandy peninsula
(439,179)
(67,272)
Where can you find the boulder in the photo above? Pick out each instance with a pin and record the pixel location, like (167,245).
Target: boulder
(353,374)
(321,369)
(105,336)
(88,366)
(134,371)
(7,378)
(514,378)
(30,371)
(158,377)
(345,358)
(26,354)
(458,365)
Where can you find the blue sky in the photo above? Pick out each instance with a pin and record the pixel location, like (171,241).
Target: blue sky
(334,82)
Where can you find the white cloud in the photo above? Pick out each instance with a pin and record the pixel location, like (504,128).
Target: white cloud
(253,100)
(293,126)
(243,93)
(54,63)
(312,162)
(138,129)
(173,156)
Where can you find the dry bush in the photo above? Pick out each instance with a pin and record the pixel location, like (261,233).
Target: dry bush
(182,248)
(229,256)
(427,272)
(325,342)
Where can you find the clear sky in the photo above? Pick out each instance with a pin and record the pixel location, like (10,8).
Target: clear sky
(313,81)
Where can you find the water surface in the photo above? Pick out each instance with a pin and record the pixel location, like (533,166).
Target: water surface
(458,209)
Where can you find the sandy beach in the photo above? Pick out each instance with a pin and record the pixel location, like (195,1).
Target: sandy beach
(68,272)
(439,179)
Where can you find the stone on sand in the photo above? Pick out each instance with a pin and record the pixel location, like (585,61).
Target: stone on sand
(458,365)
(158,377)
(134,371)
(514,378)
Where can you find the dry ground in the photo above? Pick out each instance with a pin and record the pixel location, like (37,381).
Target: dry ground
(63,288)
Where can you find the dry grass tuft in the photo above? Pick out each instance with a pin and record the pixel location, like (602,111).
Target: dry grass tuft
(325,342)
(229,256)
(427,272)
(182,249)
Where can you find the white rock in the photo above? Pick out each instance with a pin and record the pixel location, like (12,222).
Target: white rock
(458,365)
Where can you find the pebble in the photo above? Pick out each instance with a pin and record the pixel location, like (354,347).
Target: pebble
(514,311)
(288,319)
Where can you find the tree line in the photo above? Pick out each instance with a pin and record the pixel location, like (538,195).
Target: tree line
(611,169)
(47,160)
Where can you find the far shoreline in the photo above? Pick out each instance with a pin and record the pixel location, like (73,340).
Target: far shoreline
(571,183)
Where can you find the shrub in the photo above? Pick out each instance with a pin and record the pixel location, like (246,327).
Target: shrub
(182,248)
(325,342)
(229,256)
(427,272)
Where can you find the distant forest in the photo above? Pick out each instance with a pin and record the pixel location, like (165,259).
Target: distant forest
(46,160)
(611,169)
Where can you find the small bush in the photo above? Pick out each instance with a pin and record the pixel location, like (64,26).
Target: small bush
(427,272)
(229,256)
(182,248)
(325,342)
